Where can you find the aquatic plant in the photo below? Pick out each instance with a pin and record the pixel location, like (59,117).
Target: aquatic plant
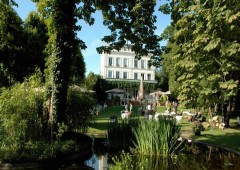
(120,135)
(157,137)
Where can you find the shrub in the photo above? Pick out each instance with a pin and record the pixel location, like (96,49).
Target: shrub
(80,110)
(21,116)
(21,107)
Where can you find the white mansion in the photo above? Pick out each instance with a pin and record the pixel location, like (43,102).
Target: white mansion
(121,66)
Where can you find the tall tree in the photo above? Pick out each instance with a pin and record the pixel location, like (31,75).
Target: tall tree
(61,18)
(9,2)
(128,20)
(161,77)
(77,75)
(207,36)
(11,32)
(36,42)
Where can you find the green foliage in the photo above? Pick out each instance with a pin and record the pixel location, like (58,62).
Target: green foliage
(3,76)
(148,137)
(131,21)
(79,110)
(39,150)
(35,43)
(157,137)
(21,107)
(63,48)
(11,38)
(203,52)
(123,129)
(132,161)
(122,162)
(161,77)
(78,68)
(91,80)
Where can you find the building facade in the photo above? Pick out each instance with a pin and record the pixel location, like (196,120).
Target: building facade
(122,66)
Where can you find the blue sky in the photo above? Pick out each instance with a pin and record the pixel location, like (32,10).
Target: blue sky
(91,35)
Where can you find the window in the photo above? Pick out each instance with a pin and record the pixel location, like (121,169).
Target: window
(149,76)
(135,76)
(142,64)
(117,74)
(125,75)
(142,75)
(148,66)
(118,62)
(125,62)
(110,61)
(135,63)
(110,74)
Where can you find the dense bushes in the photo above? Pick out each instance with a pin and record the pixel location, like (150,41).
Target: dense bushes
(80,110)
(21,109)
(24,120)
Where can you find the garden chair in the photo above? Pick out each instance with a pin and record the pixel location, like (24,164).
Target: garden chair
(179,119)
(113,119)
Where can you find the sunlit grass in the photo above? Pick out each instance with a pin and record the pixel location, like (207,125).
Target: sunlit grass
(228,137)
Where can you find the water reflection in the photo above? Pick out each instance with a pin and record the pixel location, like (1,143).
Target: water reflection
(98,162)
(195,157)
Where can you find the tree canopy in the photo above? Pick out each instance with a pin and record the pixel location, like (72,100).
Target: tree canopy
(131,22)
(204,52)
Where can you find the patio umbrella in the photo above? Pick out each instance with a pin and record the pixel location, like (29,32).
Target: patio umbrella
(160,93)
(141,94)
(167,92)
(115,91)
(156,93)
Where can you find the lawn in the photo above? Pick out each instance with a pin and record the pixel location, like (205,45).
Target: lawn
(228,137)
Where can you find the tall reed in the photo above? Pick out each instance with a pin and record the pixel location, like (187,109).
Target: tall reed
(157,137)
(120,134)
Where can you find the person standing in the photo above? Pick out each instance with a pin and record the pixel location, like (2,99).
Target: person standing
(126,106)
(130,108)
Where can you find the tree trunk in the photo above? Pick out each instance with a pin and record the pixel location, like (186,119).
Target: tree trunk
(65,47)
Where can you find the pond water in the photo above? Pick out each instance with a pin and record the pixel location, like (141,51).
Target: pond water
(195,156)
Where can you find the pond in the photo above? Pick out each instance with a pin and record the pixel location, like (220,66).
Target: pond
(195,156)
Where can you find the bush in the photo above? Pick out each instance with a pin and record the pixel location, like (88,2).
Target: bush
(21,116)
(21,107)
(80,110)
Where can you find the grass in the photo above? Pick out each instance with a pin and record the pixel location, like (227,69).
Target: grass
(228,137)
(102,119)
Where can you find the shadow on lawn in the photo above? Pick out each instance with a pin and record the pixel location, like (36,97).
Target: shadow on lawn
(100,126)
(227,140)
